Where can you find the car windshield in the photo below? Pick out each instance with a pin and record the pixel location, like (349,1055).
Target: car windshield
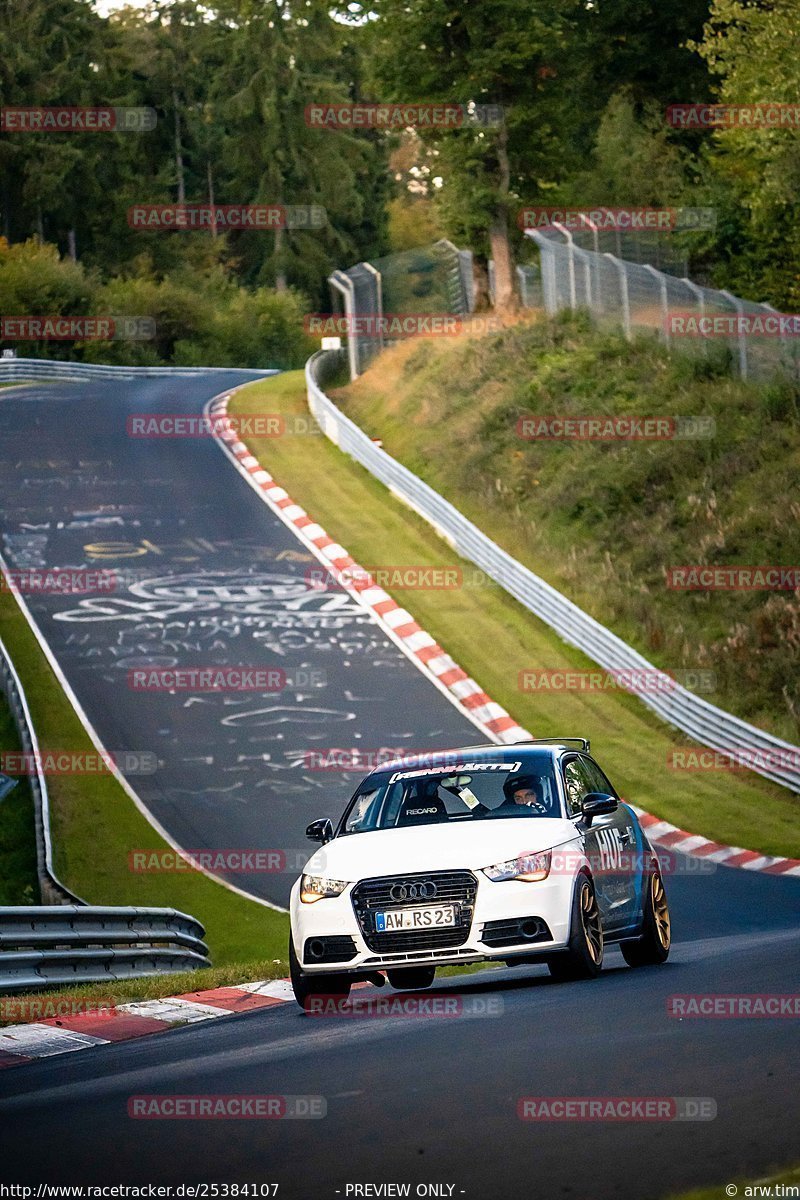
(469,791)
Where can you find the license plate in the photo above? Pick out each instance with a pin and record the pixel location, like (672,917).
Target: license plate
(435,917)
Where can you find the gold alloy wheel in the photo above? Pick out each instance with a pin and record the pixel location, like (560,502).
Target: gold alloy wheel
(660,911)
(592,926)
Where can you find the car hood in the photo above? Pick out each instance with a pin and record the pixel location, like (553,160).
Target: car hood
(470,845)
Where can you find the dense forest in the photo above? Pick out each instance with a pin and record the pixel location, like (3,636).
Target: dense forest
(583,85)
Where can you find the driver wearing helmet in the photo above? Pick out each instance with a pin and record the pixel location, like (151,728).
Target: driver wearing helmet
(525,791)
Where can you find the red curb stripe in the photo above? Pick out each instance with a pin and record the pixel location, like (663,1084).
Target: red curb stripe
(118,1028)
(737,860)
(454,675)
(671,839)
(384,606)
(231,999)
(407,631)
(426,653)
(708,847)
(13,1060)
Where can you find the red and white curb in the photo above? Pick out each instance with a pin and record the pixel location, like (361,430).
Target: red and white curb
(65,1034)
(672,838)
(491,718)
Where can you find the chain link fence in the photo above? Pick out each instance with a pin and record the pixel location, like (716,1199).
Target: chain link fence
(434,280)
(577,273)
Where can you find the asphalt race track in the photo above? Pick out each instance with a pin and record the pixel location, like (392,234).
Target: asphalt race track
(409,1100)
(434,1099)
(204,575)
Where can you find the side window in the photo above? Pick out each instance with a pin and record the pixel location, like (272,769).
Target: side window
(578,785)
(597,778)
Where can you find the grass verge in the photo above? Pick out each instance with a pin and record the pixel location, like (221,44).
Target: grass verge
(492,637)
(95,824)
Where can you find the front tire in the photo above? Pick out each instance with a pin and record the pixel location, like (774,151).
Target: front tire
(411,979)
(307,988)
(584,957)
(652,948)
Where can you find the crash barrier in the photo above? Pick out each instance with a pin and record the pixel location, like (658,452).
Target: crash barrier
(44,946)
(25,369)
(51,889)
(711,726)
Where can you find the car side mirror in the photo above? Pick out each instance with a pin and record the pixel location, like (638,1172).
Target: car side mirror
(320,831)
(597,804)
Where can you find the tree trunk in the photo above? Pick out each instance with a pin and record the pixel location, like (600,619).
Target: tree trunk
(505,296)
(178,150)
(211,199)
(280,274)
(480,279)
(72,245)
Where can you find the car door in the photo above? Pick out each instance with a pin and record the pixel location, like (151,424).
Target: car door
(578,782)
(618,852)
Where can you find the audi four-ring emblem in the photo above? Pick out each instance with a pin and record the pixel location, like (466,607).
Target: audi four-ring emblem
(412,891)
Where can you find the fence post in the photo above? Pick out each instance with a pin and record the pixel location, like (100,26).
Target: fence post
(661,279)
(788,357)
(697,292)
(379,294)
(623,287)
(344,285)
(571,260)
(740,336)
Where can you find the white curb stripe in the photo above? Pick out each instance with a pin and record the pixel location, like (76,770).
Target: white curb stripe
(173,1008)
(42,1041)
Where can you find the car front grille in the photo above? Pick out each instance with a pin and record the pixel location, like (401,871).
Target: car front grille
(449,887)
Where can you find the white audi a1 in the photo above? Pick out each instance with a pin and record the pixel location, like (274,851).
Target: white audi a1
(521,853)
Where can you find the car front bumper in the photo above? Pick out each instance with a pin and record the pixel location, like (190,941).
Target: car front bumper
(543,907)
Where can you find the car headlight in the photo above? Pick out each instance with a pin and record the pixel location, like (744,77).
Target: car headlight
(528,868)
(315,887)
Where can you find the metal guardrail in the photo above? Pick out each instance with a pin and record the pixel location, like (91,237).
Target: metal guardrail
(44,946)
(711,726)
(25,369)
(51,888)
